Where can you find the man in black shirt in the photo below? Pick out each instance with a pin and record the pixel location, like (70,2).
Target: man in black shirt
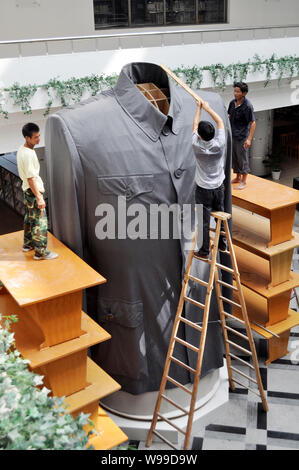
(242,122)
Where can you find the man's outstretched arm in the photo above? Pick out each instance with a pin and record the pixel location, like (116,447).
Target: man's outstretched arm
(197,116)
(213,115)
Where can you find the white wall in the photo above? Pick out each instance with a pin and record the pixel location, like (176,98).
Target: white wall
(54,18)
(45,18)
(39,69)
(263,12)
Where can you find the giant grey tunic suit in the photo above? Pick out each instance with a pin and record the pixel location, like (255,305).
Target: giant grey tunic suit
(118,144)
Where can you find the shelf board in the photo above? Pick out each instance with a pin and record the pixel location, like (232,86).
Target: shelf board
(30,281)
(255,274)
(265,194)
(252,232)
(101,386)
(28,336)
(110,434)
(290,322)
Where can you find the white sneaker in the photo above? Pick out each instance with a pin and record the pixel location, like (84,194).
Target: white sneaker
(50,255)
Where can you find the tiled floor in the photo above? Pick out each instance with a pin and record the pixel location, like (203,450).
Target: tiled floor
(241,423)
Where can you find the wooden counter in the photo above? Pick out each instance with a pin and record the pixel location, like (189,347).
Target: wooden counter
(272,200)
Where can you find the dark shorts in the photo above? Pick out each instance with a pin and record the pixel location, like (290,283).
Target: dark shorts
(240,157)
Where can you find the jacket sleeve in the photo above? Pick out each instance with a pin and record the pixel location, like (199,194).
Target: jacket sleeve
(66,185)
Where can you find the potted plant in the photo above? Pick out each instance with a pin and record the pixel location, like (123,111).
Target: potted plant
(274,159)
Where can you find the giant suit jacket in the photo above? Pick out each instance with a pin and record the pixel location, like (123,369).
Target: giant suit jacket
(118,144)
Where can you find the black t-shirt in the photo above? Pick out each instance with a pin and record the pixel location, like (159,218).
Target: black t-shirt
(240,118)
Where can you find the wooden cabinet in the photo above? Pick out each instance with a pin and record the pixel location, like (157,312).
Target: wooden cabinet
(264,244)
(53,333)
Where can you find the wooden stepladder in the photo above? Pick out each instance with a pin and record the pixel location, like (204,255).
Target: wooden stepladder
(222,218)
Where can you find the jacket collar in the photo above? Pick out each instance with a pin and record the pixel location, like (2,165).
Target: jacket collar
(134,103)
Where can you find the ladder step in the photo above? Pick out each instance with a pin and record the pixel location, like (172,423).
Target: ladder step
(194,302)
(248,388)
(182,364)
(170,423)
(164,439)
(243,375)
(174,404)
(190,323)
(236,332)
(241,360)
(221,231)
(207,260)
(178,384)
(233,317)
(239,347)
(199,281)
(184,343)
(227,285)
(225,268)
(230,301)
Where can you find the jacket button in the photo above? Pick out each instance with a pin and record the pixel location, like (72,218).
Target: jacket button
(109,317)
(166,130)
(178,173)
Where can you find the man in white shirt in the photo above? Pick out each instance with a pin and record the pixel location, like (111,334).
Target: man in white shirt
(209,151)
(35,221)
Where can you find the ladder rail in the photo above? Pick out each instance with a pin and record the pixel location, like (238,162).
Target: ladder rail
(245,318)
(203,335)
(172,343)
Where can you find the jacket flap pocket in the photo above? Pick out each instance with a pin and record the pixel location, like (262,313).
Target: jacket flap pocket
(128,186)
(128,314)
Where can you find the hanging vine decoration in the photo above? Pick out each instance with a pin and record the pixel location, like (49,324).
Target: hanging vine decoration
(2,111)
(21,95)
(71,91)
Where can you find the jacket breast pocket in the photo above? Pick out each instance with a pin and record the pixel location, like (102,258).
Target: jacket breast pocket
(125,351)
(128,186)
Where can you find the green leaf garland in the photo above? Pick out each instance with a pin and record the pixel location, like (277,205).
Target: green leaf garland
(72,90)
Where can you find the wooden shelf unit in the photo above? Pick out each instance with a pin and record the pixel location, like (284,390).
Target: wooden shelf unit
(252,234)
(264,241)
(53,333)
(271,200)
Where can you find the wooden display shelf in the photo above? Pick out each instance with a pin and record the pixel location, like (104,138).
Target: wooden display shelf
(266,312)
(271,200)
(30,282)
(49,291)
(110,435)
(255,274)
(28,336)
(277,347)
(53,332)
(252,233)
(101,385)
(87,401)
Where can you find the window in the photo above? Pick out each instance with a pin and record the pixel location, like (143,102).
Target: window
(110,13)
(136,13)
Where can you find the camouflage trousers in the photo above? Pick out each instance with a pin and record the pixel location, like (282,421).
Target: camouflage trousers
(35,225)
